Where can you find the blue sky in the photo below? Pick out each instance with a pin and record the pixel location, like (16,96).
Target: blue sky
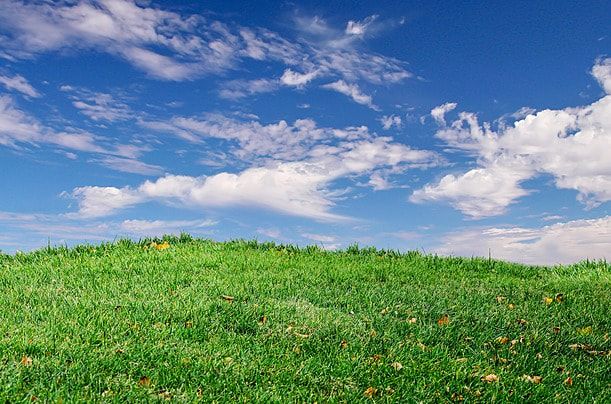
(456,128)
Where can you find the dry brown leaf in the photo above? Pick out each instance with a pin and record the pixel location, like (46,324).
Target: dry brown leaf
(397,366)
(412,320)
(370,392)
(568,381)
(376,357)
(165,395)
(189,324)
(584,347)
(163,246)
(559,297)
(144,381)
(556,330)
(26,361)
(501,299)
(457,397)
(502,340)
(228,298)
(263,320)
(532,379)
(511,306)
(443,320)
(343,344)
(385,311)
(490,378)
(521,321)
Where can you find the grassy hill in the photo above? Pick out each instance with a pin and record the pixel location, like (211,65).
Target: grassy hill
(193,320)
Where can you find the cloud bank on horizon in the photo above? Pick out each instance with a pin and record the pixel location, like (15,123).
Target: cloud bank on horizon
(127,118)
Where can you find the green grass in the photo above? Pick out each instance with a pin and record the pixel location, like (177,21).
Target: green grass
(121,321)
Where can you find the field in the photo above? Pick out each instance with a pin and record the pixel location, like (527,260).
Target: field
(185,320)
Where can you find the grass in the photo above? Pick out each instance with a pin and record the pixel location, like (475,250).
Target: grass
(245,321)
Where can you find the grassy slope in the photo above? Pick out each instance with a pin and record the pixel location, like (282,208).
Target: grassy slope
(117,322)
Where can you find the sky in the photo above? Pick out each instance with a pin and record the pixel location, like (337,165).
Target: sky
(453,128)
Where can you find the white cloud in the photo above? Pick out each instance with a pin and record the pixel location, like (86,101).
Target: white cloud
(378,182)
(296,79)
(602,73)
(271,232)
(236,89)
(17,128)
(328,242)
(353,91)
(161,227)
(322,238)
(405,235)
(296,187)
(172,46)
(479,192)
(571,145)
(19,83)
(388,121)
(35,229)
(359,28)
(560,243)
(438,113)
(164,44)
(101,106)
(129,165)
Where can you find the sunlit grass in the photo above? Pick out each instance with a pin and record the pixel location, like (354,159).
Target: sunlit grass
(186,320)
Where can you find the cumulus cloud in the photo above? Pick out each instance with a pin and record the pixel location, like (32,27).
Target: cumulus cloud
(353,91)
(19,83)
(438,113)
(570,144)
(560,243)
(296,179)
(602,73)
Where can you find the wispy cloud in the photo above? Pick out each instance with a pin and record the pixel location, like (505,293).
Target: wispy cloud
(236,89)
(353,91)
(98,106)
(19,83)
